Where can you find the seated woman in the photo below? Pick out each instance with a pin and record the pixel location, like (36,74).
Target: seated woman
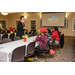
(55,35)
(56,29)
(42,39)
(49,37)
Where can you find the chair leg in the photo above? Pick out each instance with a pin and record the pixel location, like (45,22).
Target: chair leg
(55,47)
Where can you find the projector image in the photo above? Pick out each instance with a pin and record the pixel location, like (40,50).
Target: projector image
(54,18)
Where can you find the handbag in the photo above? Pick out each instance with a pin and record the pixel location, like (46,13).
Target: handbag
(39,47)
(52,51)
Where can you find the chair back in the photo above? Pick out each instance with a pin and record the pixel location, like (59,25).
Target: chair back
(4,36)
(35,33)
(53,43)
(62,40)
(6,40)
(8,31)
(30,48)
(17,38)
(30,32)
(3,32)
(47,45)
(30,35)
(60,36)
(18,54)
(15,31)
(12,36)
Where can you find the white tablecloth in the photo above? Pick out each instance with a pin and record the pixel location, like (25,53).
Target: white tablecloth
(7,48)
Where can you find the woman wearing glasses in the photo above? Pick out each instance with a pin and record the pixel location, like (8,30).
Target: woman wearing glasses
(21,27)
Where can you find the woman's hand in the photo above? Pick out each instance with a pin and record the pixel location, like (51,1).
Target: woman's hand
(24,27)
(39,33)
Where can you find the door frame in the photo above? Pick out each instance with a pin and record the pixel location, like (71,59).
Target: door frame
(30,23)
(15,22)
(6,22)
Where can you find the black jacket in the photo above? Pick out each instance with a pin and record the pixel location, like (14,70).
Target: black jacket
(62,40)
(59,34)
(20,30)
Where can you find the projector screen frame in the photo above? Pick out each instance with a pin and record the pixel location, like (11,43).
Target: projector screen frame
(52,13)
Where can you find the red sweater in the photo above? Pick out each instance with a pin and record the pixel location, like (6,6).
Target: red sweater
(55,35)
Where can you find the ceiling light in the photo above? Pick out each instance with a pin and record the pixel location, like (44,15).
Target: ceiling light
(66,15)
(25,17)
(41,16)
(4,13)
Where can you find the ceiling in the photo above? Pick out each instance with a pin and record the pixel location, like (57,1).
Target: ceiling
(68,13)
(28,12)
(22,12)
(13,12)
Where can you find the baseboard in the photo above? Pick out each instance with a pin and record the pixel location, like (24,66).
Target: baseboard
(69,36)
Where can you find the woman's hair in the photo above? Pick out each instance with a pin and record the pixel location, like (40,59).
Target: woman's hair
(49,31)
(21,17)
(45,33)
(56,28)
(52,27)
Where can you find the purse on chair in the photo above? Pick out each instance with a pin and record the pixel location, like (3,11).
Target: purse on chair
(40,47)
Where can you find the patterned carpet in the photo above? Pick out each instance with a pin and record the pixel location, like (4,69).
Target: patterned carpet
(65,54)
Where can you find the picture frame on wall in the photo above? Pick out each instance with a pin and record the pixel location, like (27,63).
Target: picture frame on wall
(66,23)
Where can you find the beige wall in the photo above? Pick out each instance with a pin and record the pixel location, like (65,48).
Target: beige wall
(69,31)
(4,18)
(11,21)
(33,17)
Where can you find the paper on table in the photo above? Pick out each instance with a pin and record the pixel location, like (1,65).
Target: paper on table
(1,47)
(29,42)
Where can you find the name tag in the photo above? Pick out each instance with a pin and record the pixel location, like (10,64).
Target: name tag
(50,41)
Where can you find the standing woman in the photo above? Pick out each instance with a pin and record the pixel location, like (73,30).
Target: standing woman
(20,27)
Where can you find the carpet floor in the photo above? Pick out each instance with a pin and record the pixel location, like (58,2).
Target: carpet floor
(65,54)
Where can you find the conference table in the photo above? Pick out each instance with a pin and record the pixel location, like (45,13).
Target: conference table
(6,49)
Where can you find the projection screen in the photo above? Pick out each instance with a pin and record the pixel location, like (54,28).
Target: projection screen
(53,19)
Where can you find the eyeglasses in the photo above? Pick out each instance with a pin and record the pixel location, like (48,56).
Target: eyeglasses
(23,19)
